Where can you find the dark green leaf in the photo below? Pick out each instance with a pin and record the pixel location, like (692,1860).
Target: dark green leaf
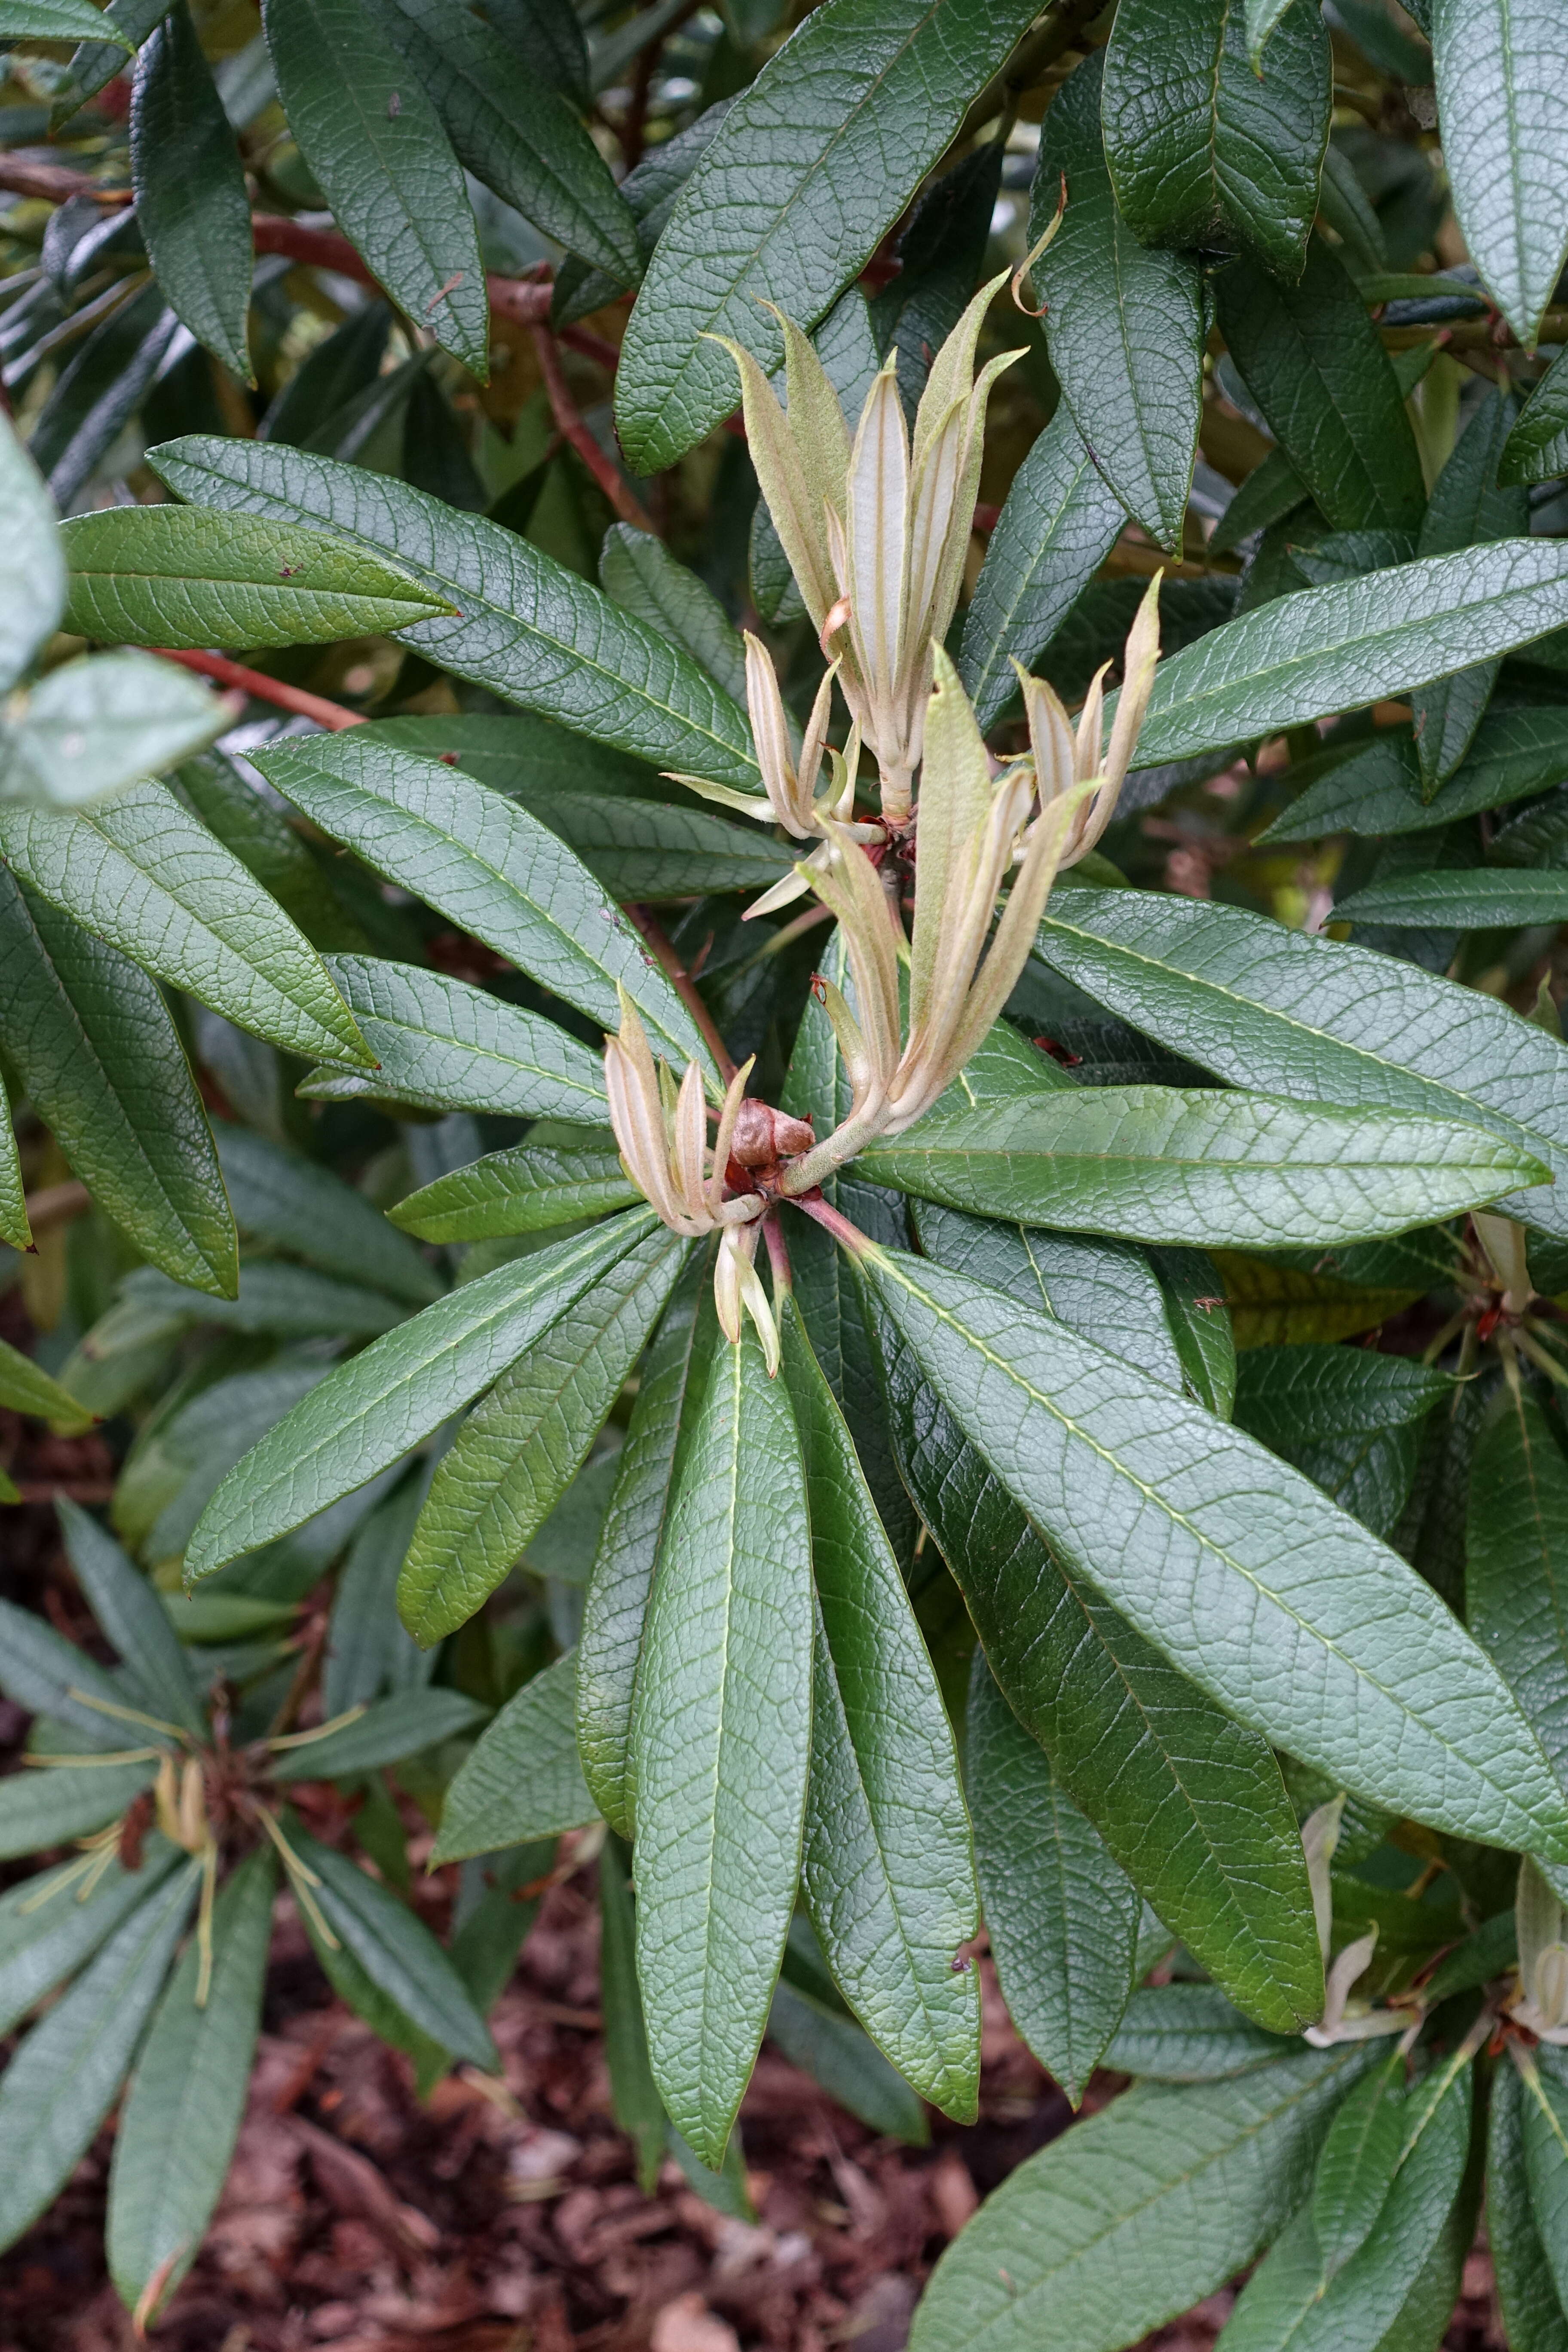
(1201,1326)
(493,1914)
(1124,325)
(831,2048)
(1527,2291)
(1537,449)
(1062,1915)
(100,389)
(1192,1806)
(522,1780)
(524,626)
(487,864)
(293,1203)
(525,1442)
(47,1675)
(283,1302)
(887,1868)
(1157,1164)
(191,203)
(1356,2168)
(721,1738)
(1465,507)
(135,1619)
(610,1649)
(144,875)
(1134,2214)
(63,2080)
(513,130)
(813,163)
(1377,788)
(1352,1421)
(1353,643)
(370,1411)
(1516,1575)
(451,1046)
(522,1191)
(370,133)
(1479,901)
(383,1733)
(25,1387)
(634,2094)
(1204,149)
(367,1650)
(1059,521)
(397,1952)
(1188,2033)
(56,20)
(1311,1019)
(1399,1704)
(186,2100)
(46,1930)
(643,577)
(1313,363)
(49,1808)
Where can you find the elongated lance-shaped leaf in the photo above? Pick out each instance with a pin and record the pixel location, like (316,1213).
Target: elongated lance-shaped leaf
(519,1191)
(176,576)
(191,202)
(1537,446)
(1465,901)
(614,1607)
(1527,2291)
(144,874)
(489,866)
(1205,149)
(817,2036)
(1467,505)
(449,1046)
(372,137)
(63,2080)
(35,590)
(522,1780)
(96,1048)
(640,571)
(43,1808)
(1188,2033)
(722,1739)
(1062,1915)
(135,1619)
(812,165)
(386,1733)
(1124,325)
(1237,1171)
(1058,522)
(1516,1573)
(50,1676)
(524,626)
(371,1410)
(25,1387)
(186,2101)
(289,1202)
(514,132)
(520,1448)
(46,1932)
(396,1951)
(57,20)
(1360,2158)
(1498,64)
(1296,2297)
(634,2094)
(888,1868)
(1352,643)
(1383,1690)
(1316,1021)
(1313,363)
(1191,1805)
(15,1228)
(1135,2213)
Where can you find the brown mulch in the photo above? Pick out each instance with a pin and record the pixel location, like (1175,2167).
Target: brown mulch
(509,2219)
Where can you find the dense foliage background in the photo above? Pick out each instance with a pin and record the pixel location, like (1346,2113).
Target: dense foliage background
(1115,1552)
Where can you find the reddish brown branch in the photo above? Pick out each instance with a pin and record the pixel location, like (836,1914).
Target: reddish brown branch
(685,987)
(570,422)
(255,682)
(824,1213)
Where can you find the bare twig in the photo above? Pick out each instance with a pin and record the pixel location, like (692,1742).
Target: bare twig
(255,682)
(570,422)
(685,986)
